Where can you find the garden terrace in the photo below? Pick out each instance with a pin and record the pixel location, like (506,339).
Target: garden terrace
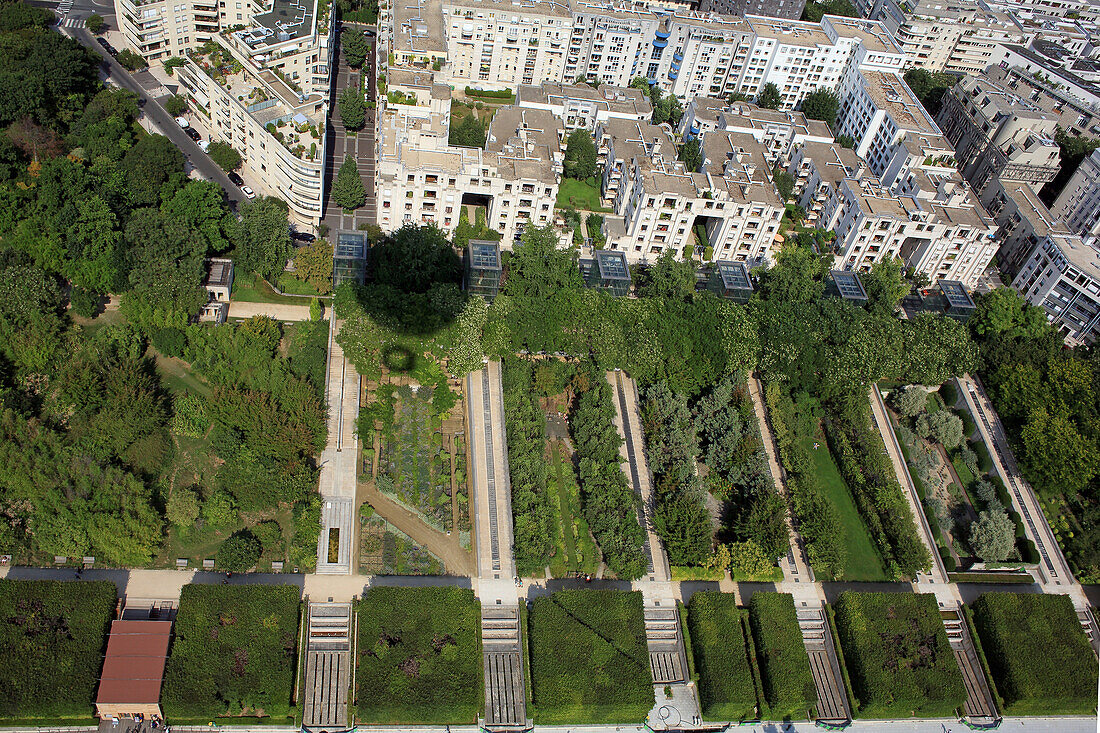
(589,659)
(235,652)
(898,656)
(1038,654)
(419,656)
(52,637)
(723,657)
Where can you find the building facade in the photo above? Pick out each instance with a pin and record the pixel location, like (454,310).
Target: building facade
(1079,203)
(1062,276)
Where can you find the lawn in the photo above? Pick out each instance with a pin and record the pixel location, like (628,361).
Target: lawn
(419,656)
(589,659)
(1038,653)
(52,634)
(719,642)
(580,195)
(575,550)
(254,289)
(862,559)
(898,657)
(234,653)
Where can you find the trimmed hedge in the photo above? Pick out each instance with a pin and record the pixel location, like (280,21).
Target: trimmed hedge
(726,688)
(785,671)
(1038,653)
(235,649)
(52,638)
(419,656)
(898,656)
(589,659)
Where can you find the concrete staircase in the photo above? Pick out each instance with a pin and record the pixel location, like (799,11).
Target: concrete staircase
(1088,623)
(337,515)
(979,707)
(663,636)
(501,641)
(832,698)
(328,666)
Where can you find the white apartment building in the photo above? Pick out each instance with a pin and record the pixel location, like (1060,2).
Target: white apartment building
(1074,114)
(659,204)
(158,29)
(997,134)
(778,131)
(818,169)
(581,106)
(263,90)
(1022,219)
(1062,276)
(871,224)
(1079,203)
(421,179)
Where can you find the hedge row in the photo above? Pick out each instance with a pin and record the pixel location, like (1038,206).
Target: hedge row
(419,656)
(589,659)
(489,93)
(727,691)
(52,637)
(235,650)
(785,671)
(900,662)
(1038,654)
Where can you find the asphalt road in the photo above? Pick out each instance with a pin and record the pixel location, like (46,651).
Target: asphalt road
(154,112)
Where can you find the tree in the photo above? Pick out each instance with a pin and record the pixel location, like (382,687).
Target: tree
(821,104)
(769,97)
(796,276)
(414,258)
(929,87)
(748,560)
(886,286)
(468,133)
(355,46)
(992,535)
(153,170)
(224,155)
(1003,313)
(538,269)
(263,243)
(313,263)
(353,108)
(943,426)
(784,183)
(846,141)
(580,155)
(1056,457)
(1073,149)
(176,105)
(131,61)
(814,11)
(85,302)
(668,277)
(96,23)
(910,401)
(183,507)
(240,552)
(685,527)
(691,153)
(17,16)
(347,190)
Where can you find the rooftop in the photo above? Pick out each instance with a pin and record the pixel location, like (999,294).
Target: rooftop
(873,35)
(134,664)
(735,275)
(833,162)
(484,255)
(644,142)
(1032,209)
(536,130)
(890,93)
(1085,257)
(523,7)
(614,99)
(418,26)
(848,285)
(790,32)
(219,273)
(612,265)
(285,20)
(956,294)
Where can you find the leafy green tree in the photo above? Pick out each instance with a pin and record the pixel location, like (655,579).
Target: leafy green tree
(263,244)
(910,401)
(797,276)
(814,11)
(1003,312)
(942,426)
(348,191)
(240,552)
(691,152)
(354,44)
(886,286)
(353,108)
(131,61)
(668,277)
(224,155)
(992,535)
(55,77)
(85,302)
(1056,457)
(313,263)
(846,141)
(153,169)
(414,258)
(748,560)
(769,97)
(784,183)
(538,269)
(18,16)
(219,510)
(183,507)
(929,87)
(685,528)
(821,104)
(176,105)
(468,133)
(580,155)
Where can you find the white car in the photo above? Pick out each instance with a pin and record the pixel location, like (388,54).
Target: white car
(182,122)
(248,192)
(204,146)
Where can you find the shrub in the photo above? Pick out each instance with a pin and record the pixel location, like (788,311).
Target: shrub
(949,394)
(488,93)
(240,552)
(235,646)
(183,507)
(175,105)
(788,683)
(170,341)
(589,659)
(419,659)
(85,302)
(726,689)
(96,23)
(224,155)
(1038,654)
(131,61)
(898,656)
(53,634)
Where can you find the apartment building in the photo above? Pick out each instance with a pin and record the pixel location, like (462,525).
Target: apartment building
(421,179)
(728,210)
(778,131)
(1073,113)
(1079,203)
(500,44)
(870,223)
(788,9)
(1022,220)
(998,135)
(818,169)
(158,29)
(1062,276)
(1047,72)
(263,90)
(581,106)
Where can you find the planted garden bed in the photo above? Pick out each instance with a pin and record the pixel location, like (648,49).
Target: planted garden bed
(718,631)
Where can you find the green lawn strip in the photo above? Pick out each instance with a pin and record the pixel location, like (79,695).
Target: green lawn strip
(234,652)
(863,561)
(1038,653)
(52,638)
(965,475)
(900,662)
(688,650)
(786,679)
(997,577)
(254,289)
(293,286)
(579,195)
(419,656)
(726,688)
(589,659)
(692,572)
(563,515)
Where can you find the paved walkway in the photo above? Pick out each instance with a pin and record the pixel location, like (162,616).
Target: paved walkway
(278,311)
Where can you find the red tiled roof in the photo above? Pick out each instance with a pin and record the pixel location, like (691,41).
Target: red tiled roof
(134,666)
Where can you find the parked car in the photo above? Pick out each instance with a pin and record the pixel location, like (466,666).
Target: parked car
(235,178)
(248,192)
(103,42)
(303,237)
(193,134)
(182,122)
(204,145)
